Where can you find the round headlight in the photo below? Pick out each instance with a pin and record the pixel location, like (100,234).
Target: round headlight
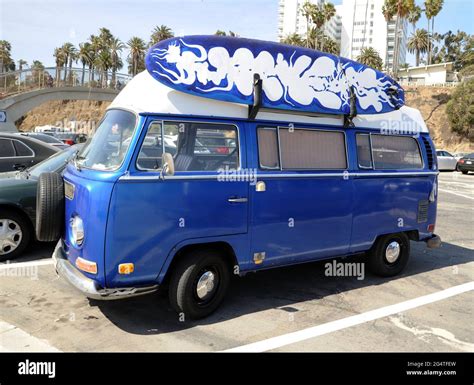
(77,230)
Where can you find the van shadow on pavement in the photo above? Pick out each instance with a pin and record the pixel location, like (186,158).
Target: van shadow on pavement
(278,288)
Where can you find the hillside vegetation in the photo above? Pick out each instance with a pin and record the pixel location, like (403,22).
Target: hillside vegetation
(431,101)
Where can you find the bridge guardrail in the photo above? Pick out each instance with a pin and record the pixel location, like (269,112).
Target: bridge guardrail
(33,79)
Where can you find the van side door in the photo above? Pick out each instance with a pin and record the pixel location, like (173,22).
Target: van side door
(154,213)
(301,205)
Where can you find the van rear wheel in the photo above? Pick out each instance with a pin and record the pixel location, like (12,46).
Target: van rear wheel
(199,283)
(389,255)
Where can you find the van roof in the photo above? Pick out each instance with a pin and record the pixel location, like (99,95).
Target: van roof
(143,94)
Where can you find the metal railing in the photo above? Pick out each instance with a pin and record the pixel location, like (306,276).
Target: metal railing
(32,79)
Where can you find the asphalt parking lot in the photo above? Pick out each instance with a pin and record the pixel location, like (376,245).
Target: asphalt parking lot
(288,309)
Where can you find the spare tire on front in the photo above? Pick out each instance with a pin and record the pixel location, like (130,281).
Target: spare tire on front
(49,207)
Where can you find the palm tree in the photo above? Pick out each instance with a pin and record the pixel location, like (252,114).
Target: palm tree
(224,33)
(293,39)
(314,36)
(69,52)
(309,11)
(103,63)
(328,10)
(60,61)
(371,58)
(137,51)
(96,43)
(5,58)
(399,9)
(21,63)
(160,33)
(84,55)
(432,9)
(330,46)
(116,46)
(414,15)
(418,43)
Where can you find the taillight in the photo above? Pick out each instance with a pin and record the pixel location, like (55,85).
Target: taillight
(431,228)
(222,150)
(69,141)
(461,161)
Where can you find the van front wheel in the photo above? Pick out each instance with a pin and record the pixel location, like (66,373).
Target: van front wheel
(199,283)
(389,255)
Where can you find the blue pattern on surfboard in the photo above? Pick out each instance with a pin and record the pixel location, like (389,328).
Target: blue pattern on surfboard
(294,78)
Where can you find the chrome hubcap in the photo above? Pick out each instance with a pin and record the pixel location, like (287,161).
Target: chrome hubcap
(10,236)
(392,252)
(205,284)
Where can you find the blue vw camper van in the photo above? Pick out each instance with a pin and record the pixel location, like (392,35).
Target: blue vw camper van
(184,183)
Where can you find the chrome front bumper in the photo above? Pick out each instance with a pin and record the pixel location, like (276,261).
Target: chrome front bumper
(89,287)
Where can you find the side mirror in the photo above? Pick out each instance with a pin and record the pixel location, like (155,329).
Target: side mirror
(168,165)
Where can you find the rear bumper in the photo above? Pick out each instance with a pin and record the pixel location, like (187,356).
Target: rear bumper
(89,287)
(465,167)
(433,242)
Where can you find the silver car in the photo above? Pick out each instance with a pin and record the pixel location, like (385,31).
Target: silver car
(446,161)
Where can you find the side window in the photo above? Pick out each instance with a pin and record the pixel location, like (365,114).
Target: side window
(194,146)
(151,152)
(6,148)
(268,148)
(312,149)
(364,154)
(395,152)
(22,149)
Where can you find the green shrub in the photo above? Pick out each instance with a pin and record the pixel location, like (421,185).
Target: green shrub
(460,110)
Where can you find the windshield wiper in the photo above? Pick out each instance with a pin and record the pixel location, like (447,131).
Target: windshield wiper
(76,159)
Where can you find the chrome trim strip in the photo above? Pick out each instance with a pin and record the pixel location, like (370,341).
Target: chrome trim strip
(128,177)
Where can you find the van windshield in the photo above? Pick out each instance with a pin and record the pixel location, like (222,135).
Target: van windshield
(108,146)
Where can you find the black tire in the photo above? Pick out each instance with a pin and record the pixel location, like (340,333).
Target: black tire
(24,238)
(464,172)
(378,263)
(185,276)
(49,207)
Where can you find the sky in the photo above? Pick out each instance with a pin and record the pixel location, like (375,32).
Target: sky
(35,27)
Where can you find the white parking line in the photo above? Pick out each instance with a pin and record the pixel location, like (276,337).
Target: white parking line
(316,331)
(13,339)
(455,193)
(41,262)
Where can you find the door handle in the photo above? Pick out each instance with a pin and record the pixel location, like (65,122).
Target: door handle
(237,200)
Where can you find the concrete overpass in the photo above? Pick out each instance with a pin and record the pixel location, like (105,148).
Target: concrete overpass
(14,107)
(21,91)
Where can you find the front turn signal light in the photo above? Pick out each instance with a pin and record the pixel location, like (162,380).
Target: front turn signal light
(126,268)
(85,265)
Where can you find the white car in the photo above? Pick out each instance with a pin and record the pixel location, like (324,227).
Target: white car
(446,161)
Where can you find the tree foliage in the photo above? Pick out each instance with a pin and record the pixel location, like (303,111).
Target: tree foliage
(460,110)
(370,57)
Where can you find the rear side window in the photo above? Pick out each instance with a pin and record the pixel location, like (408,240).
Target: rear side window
(194,146)
(312,149)
(395,152)
(268,148)
(6,148)
(22,149)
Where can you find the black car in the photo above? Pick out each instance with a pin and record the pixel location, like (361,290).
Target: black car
(71,137)
(466,163)
(18,202)
(18,152)
(46,139)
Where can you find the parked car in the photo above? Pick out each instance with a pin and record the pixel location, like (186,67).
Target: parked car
(466,163)
(71,137)
(53,141)
(446,162)
(18,151)
(18,203)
